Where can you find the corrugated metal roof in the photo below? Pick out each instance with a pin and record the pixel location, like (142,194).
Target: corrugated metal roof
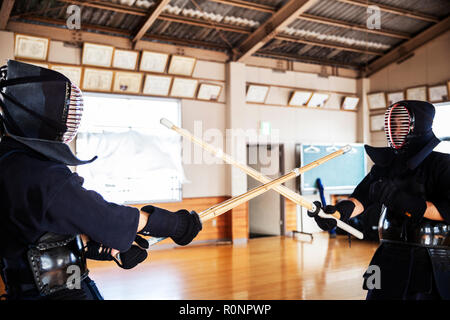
(343,32)
(206,15)
(357,14)
(437,8)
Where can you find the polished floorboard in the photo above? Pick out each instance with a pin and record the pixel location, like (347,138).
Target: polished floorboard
(270,268)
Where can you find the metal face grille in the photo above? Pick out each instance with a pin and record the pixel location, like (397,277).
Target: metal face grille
(74,115)
(397,125)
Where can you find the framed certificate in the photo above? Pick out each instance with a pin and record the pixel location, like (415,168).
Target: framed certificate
(125,59)
(417,93)
(157,85)
(209,91)
(393,97)
(350,103)
(377,122)
(127,82)
(183,66)
(438,93)
(184,88)
(377,100)
(97,79)
(153,61)
(30,47)
(318,99)
(256,93)
(300,98)
(97,55)
(71,72)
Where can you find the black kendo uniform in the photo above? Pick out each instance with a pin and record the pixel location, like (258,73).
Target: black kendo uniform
(414,254)
(44,208)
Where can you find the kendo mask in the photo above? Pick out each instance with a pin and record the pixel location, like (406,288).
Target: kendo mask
(42,109)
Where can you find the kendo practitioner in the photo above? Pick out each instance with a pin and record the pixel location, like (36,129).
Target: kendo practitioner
(411,184)
(45,213)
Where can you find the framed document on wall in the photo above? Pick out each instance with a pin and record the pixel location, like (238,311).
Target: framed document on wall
(97,79)
(318,99)
(257,94)
(30,47)
(97,55)
(125,59)
(438,93)
(184,88)
(157,85)
(300,98)
(377,100)
(377,122)
(127,82)
(183,66)
(153,61)
(417,93)
(209,91)
(71,72)
(393,97)
(350,103)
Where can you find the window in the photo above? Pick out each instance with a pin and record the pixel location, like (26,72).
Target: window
(440,126)
(139,160)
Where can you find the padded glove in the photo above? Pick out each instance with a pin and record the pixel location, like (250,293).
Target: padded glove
(182,226)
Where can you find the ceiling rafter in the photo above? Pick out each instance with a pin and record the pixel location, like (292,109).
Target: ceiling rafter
(5,12)
(298,58)
(269,29)
(151,18)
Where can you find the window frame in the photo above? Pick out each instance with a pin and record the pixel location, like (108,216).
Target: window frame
(179,120)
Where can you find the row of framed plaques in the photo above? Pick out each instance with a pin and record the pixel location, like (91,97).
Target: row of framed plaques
(437,93)
(118,81)
(106,56)
(300,98)
(97,55)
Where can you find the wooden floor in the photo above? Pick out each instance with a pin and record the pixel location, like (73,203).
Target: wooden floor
(271,268)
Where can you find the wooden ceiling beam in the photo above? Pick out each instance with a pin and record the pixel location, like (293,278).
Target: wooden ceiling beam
(269,29)
(5,12)
(408,47)
(155,11)
(247,5)
(308,59)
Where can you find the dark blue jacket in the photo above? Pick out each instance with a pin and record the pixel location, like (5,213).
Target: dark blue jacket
(38,196)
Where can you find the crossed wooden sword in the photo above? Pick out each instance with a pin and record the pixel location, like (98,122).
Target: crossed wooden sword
(268,184)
